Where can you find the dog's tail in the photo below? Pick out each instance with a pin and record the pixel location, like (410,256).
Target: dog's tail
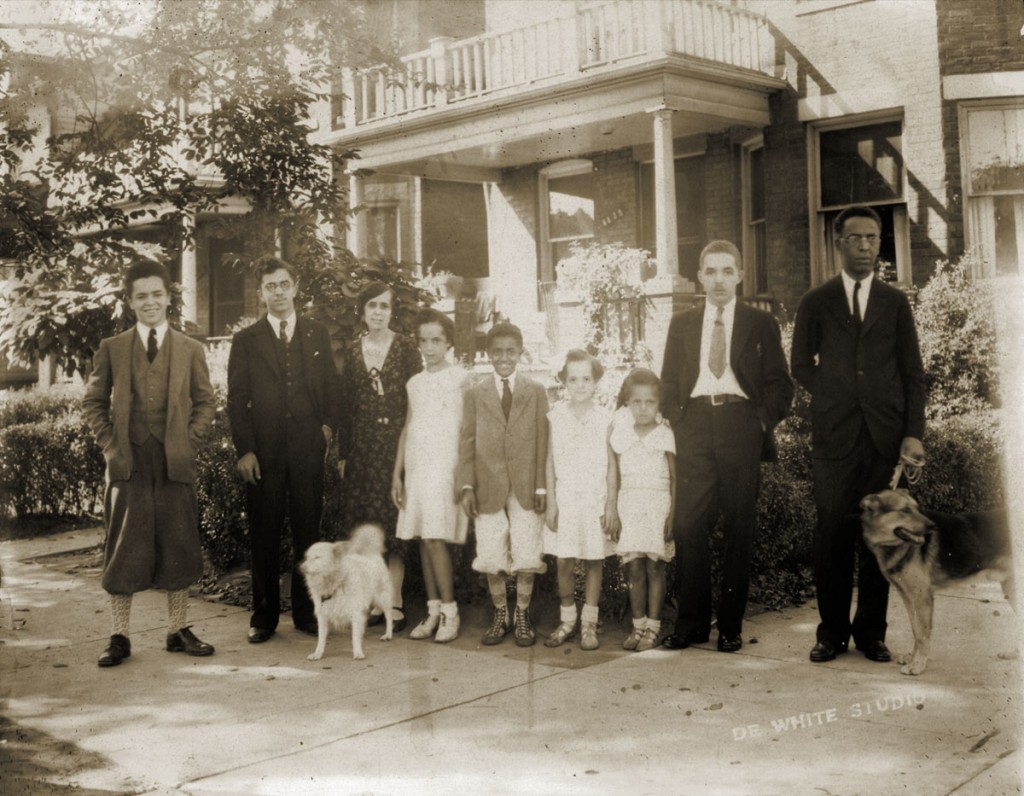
(367,539)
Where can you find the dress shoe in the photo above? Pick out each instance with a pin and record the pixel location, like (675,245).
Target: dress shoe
(876,651)
(680,641)
(185,641)
(117,650)
(257,635)
(729,643)
(309,628)
(826,651)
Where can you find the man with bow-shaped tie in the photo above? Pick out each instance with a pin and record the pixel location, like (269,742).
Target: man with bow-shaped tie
(726,387)
(283,404)
(855,350)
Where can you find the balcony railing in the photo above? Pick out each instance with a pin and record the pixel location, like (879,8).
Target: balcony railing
(596,37)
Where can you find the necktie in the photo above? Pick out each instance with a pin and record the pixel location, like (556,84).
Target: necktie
(716,357)
(857,319)
(151,346)
(284,332)
(506,398)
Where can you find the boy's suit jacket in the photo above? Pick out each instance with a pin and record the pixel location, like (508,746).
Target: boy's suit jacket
(257,405)
(875,377)
(190,404)
(756,358)
(495,456)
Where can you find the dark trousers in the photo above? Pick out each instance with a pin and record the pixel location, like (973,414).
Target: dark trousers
(292,488)
(718,471)
(839,486)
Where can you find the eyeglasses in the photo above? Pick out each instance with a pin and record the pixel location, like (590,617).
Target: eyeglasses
(274,287)
(856,240)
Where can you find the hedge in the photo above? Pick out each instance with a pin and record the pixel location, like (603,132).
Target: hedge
(53,467)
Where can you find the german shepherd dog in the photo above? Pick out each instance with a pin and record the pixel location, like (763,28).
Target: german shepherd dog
(920,551)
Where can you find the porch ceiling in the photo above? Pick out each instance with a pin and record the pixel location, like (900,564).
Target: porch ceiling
(474,140)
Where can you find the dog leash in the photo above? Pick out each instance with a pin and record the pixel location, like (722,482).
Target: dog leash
(906,467)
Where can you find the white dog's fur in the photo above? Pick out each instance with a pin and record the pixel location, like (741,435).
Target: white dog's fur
(345,580)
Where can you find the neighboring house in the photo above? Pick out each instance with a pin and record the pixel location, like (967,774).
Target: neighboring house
(521,126)
(666,124)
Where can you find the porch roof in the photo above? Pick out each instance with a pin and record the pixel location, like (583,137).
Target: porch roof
(465,110)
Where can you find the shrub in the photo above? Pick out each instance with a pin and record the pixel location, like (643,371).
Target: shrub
(33,406)
(964,464)
(51,468)
(954,315)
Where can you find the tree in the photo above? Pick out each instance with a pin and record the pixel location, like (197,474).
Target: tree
(174,94)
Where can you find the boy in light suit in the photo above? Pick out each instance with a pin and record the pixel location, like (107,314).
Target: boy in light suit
(502,453)
(149,402)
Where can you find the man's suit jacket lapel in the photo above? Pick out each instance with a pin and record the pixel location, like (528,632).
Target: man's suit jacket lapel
(694,329)
(121,366)
(179,366)
(307,345)
(876,306)
(837,304)
(742,324)
(265,342)
(491,399)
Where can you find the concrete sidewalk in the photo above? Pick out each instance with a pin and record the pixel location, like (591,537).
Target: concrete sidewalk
(418,717)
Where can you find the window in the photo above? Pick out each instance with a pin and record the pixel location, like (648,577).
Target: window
(690,212)
(755,252)
(992,151)
(567,211)
(859,164)
(382,235)
(227,285)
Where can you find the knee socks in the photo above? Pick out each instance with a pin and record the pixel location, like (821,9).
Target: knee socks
(120,612)
(177,610)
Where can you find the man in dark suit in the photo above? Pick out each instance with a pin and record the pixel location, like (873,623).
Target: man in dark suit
(150,403)
(726,388)
(283,403)
(855,350)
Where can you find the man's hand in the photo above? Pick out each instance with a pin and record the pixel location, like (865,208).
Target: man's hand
(327,434)
(249,468)
(540,503)
(912,457)
(468,502)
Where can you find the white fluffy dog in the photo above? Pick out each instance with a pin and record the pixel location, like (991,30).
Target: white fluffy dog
(345,580)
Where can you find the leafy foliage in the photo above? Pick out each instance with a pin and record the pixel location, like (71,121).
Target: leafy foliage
(198,105)
(955,321)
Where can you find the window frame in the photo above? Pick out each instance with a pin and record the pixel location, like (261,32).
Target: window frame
(972,236)
(373,206)
(824,264)
(564,168)
(749,241)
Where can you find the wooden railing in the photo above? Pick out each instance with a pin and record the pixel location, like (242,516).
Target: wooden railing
(553,50)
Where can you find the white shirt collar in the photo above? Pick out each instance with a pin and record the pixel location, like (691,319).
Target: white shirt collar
(511,382)
(865,288)
(275,325)
(711,310)
(143,330)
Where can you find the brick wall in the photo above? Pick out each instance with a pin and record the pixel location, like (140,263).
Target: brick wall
(722,203)
(615,206)
(978,36)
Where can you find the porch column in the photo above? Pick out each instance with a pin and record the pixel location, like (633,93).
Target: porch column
(189,273)
(356,237)
(417,225)
(666,233)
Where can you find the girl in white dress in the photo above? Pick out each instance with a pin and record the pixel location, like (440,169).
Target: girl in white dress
(423,482)
(577,484)
(643,458)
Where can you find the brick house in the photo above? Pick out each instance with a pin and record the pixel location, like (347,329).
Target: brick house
(666,124)
(519,127)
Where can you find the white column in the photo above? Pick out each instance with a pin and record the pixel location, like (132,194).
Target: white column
(356,237)
(666,233)
(189,273)
(417,224)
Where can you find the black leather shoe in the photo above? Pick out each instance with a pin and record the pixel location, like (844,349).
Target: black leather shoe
(309,628)
(117,650)
(876,651)
(825,651)
(729,643)
(257,635)
(185,641)
(678,641)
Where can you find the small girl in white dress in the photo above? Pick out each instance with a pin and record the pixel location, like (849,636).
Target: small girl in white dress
(577,484)
(428,452)
(643,458)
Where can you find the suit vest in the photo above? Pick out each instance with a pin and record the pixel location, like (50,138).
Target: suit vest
(150,381)
(295,390)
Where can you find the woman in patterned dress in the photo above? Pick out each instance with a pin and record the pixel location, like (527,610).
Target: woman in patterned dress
(377,366)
